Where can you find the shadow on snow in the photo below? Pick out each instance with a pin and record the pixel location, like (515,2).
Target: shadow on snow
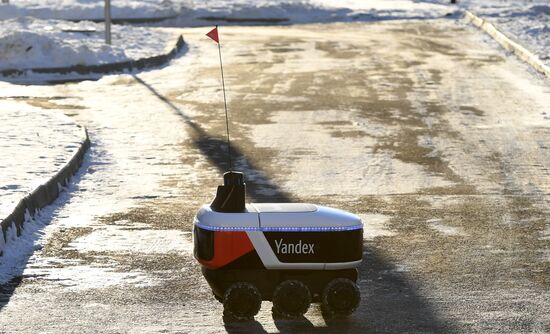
(32,232)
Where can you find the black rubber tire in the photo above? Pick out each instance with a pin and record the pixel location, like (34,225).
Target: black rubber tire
(291,299)
(242,301)
(341,297)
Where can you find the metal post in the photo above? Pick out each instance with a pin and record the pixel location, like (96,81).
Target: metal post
(108,22)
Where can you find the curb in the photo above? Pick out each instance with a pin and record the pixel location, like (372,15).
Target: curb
(42,196)
(129,20)
(130,65)
(507,43)
(243,19)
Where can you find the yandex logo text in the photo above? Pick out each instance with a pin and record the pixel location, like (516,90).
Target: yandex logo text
(294,248)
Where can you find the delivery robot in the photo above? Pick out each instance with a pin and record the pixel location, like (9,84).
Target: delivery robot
(292,254)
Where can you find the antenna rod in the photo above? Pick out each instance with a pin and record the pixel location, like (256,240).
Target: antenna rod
(225,105)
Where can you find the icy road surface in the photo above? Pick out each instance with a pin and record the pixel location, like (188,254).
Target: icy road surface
(426,129)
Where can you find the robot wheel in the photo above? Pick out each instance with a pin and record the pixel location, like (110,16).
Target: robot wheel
(242,301)
(291,299)
(340,297)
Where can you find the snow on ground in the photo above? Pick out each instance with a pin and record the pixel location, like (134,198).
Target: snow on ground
(32,43)
(86,9)
(126,237)
(71,274)
(375,225)
(35,144)
(194,12)
(525,21)
(189,12)
(124,166)
(437,225)
(76,275)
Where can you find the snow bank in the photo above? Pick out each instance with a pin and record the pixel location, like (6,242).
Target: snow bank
(35,144)
(26,49)
(192,12)
(18,249)
(298,11)
(87,9)
(527,22)
(30,43)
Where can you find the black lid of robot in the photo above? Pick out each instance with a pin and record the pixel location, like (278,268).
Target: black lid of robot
(231,196)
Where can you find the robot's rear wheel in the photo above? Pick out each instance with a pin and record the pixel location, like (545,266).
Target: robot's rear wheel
(242,301)
(341,297)
(291,299)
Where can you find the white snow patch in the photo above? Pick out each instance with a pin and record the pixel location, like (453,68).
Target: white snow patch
(397,268)
(438,226)
(525,21)
(375,225)
(76,275)
(18,249)
(35,144)
(27,43)
(135,238)
(86,9)
(401,268)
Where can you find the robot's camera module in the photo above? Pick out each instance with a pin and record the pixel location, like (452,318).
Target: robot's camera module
(231,196)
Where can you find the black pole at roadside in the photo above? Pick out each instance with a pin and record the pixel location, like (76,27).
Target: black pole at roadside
(108,22)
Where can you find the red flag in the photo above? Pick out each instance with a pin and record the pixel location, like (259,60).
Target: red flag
(214,34)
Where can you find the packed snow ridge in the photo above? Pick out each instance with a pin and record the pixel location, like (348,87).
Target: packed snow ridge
(527,22)
(190,12)
(38,143)
(86,9)
(27,43)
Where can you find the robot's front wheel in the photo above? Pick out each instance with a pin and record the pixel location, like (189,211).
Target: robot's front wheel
(242,301)
(341,297)
(291,299)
